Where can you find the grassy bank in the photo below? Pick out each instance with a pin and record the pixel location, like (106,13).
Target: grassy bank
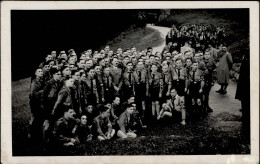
(141,38)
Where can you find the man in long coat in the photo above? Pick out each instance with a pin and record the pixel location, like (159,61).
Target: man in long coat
(225,63)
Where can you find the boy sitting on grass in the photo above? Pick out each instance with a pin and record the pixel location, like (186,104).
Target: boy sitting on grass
(125,123)
(102,124)
(65,129)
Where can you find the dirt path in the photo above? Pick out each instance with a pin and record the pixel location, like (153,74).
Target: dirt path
(163,31)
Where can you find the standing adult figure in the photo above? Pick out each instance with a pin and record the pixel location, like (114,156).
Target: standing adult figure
(116,74)
(36,90)
(225,62)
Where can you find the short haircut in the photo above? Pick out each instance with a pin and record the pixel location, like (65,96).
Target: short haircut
(81,73)
(129,63)
(64,67)
(129,105)
(73,72)
(47,62)
(54,70)
(102,108)
(66,109)
(87,70)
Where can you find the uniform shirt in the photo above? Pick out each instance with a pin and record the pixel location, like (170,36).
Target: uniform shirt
(36,90)
(166,78)
(116,110)
(91,86)
(124,122)
(51,90)
(103,125)
(107,82)
(154,79)
(83,132)
(179,73)
(64,130)
(140,76)
(210,67)
(50,94)
(196,76)
(116,74)
(64,98)
(175,103)
(128,78)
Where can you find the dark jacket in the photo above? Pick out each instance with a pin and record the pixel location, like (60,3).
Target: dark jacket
(36,90)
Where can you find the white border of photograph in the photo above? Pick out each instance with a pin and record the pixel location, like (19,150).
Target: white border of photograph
(6,106)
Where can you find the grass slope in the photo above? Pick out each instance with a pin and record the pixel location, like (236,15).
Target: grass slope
(141,38)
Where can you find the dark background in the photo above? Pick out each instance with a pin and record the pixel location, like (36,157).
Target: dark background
(35,33)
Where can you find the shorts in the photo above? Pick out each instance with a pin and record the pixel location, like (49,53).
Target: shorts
(194,90)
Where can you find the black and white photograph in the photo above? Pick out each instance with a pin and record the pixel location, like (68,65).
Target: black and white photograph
(128,79)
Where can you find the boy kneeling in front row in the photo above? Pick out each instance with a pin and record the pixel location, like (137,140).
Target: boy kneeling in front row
(125,122)
(103,125)
(65,129)
(173,105)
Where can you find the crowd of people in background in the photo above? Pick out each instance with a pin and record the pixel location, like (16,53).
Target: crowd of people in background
(79,97)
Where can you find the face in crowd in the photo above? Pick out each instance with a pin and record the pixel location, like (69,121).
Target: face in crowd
(76,76)
(119,51)
(64,56)
(154,68)
(129,66)
(89,108)
(48,57)
(115,62)
(106,71)
(97,69)
(57,76)
(53,54)
(46,68)
(188,62)
(66,71)
(178,63)
(140,65)
(117,101)
(130,110)
(195,66)
(173,92)
(83,120)
(70,82)
(89,63)
(165,69)
(197,57)
(91,73)
(207,55)
(39,73)
(81,64)
(69,114)
(106,49)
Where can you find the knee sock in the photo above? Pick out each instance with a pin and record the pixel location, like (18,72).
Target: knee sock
(153,108)
(157,108)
